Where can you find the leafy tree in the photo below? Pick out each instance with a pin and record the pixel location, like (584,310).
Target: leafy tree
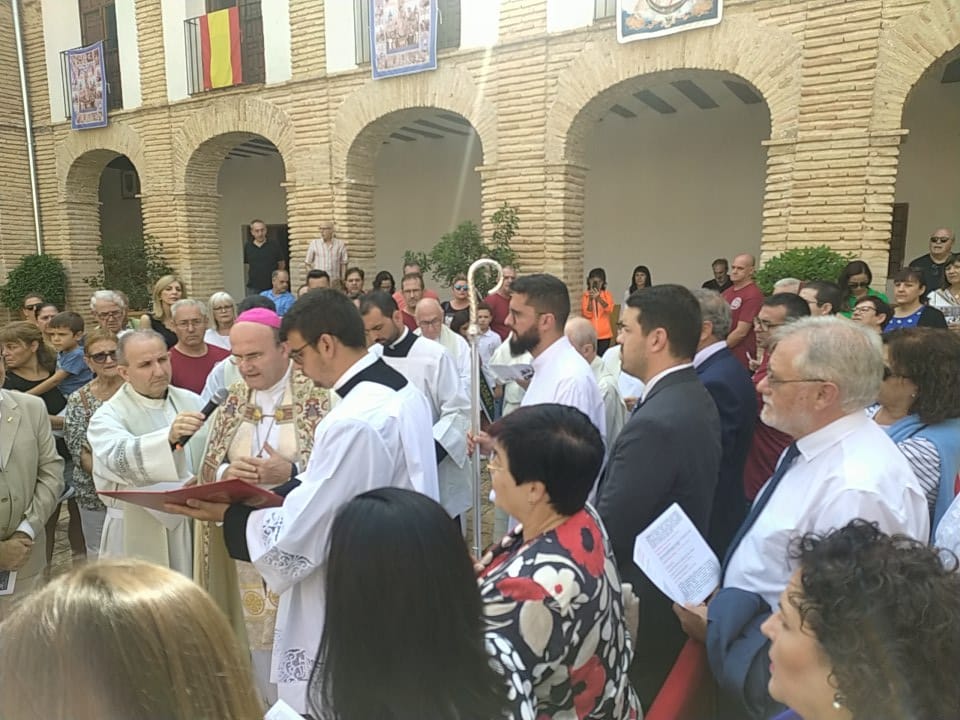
(809,263)
(458,250)
(44,275)
(131,265)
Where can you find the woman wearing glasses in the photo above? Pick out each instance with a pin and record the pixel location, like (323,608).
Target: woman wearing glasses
(873,312)
(224,311)
(855,281)
(28,308)
(459,300)
(100,353)
(919,407)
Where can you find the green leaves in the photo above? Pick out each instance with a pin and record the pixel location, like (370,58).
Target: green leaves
(131,265)
(44,275)
(809,263)
(457,250)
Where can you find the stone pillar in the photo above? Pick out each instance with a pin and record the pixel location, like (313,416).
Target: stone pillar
(308,41)
(82,222)
(153,76)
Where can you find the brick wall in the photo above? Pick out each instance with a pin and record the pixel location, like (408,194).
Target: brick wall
(834,74)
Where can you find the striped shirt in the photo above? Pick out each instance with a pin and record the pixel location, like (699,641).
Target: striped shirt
(331,256)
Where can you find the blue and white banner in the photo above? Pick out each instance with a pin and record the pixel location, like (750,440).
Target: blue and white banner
(403,37)
(87,74)
(644,19)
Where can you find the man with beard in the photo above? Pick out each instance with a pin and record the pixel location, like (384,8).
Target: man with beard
(823,372)
(431,369)
(539,308)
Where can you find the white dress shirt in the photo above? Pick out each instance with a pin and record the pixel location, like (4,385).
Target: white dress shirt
(848,469)
(561,375)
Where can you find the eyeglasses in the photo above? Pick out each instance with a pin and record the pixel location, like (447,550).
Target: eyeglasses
(223,307)
(861,309)
(251,358)
(765,325)
(939,239)
(461,288)
(430,323)
(34,306)
(102,357)
(112,315)
(777,381)
(855,285)
(296,354)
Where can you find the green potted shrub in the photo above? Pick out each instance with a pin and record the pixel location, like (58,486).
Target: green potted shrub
(44,275)
(809,263)
(131,265)
(458,250)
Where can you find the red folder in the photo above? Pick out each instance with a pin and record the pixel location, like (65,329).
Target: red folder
(225,491)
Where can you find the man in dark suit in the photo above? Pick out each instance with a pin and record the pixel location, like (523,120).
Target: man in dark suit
(730,387)
(668,452)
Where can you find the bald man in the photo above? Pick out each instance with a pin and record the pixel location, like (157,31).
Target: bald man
(583,336)
(744,298)
(429,317)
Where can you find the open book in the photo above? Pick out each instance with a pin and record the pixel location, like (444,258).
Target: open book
(676,558)
(225,491)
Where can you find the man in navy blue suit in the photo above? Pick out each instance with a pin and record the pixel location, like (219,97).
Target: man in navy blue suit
(730,387)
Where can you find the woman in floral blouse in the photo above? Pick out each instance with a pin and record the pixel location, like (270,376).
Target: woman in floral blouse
(551,589)
(100,352)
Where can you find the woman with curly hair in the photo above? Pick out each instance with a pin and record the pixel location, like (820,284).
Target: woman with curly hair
(868,629)
(919,407)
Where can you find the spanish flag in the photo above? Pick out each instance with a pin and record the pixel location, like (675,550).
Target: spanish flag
(220,46)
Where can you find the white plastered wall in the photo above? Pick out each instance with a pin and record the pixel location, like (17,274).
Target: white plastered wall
(673,192)
(61,31)
(929,174)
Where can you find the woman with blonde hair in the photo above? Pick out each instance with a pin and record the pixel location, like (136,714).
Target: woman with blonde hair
(166,291)
(133,640)
(223,312)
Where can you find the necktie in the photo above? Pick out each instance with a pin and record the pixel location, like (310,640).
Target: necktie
(761,503)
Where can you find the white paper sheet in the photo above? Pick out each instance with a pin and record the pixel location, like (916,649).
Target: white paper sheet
(282,711)
(8,581)
(676,558)
(506,373)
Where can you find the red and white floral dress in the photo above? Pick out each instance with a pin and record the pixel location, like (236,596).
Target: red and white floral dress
(556,603)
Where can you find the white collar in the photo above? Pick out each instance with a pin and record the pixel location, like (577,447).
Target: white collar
(708,352)
(659,376)
(359,366)
(829,435)
(399,339)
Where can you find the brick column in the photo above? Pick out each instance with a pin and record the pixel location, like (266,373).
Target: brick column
(308,206)
(353,214)
(153,76)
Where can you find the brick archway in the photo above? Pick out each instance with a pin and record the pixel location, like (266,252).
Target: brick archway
(908,48)
(356,135)
(81,160)
(200,146)
(764,55)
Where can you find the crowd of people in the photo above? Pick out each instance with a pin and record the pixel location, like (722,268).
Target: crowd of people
(812,436)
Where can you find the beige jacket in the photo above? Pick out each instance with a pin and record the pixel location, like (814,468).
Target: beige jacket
(31,472)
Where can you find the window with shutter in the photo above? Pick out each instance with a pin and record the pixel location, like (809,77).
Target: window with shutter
(604,9)
(98,21)
(448,27)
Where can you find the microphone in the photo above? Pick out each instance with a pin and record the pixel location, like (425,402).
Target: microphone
(218,397)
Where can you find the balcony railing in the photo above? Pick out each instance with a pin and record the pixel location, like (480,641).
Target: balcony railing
(251,49)
(111,84)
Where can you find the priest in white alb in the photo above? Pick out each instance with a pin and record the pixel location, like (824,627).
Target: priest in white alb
(377,435)
(134,439)
(429,366)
